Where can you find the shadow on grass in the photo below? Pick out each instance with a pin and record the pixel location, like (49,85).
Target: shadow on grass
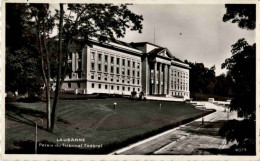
(18,114)
(27,147)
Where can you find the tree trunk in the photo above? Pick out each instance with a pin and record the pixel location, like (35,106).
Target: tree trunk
(48,91)
(58,81)
(47,84)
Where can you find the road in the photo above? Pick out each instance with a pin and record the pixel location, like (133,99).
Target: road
(195,138)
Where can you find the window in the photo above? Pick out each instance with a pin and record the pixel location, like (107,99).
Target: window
(133,89)
(79,74)
(133,64)
(105,78)
(112,79)
(92,65)
(93,85)
(112,87)
(133,81)
(117,70)
(128,88)
(93,55)
(118,88)
(99,86)
(123,88)
(117,79)
(112,60)
(106,58)
(138,74)
(123,62)
(138,81)
(99,77)
(112,69)
(133,73)
(92,75)
(99,57)
(138,66)
(69,85)
(99,67)
(128,72)
(128,63)
(117,61)
(128,80)
(105,86)
(106,68)
(123,71)
(123,80)
(138,89)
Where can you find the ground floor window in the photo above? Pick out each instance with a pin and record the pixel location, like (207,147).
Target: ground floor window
(118,88)
(128,88)
(99,86)
(112,87)
(105,86)
(93,85)
(69,85)
(78,85)
(123,88)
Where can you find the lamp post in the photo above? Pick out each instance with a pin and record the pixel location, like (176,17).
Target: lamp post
(115,105)
(36,133)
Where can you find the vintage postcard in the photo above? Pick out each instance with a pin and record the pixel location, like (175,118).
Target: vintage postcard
(129,80)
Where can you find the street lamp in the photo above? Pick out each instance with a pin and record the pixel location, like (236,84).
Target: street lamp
(115,105)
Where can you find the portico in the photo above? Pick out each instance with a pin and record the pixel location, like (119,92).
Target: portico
(159,79)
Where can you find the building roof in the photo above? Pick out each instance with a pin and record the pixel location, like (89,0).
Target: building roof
(178,60)
(135,44)
(156,51)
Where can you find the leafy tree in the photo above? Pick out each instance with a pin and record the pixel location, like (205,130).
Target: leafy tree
(223,86)
(202,79)
(242,14)
(23,72)
(242,70)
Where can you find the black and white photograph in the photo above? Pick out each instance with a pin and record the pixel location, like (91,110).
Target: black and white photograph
(146,79)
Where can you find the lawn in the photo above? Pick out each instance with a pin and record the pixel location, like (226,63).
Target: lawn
(95,120)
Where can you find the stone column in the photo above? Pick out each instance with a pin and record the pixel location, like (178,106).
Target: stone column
(160,79)
(165,79)
(148,78)
(155,78)
(168,80)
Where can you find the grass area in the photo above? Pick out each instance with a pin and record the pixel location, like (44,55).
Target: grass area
(95,120)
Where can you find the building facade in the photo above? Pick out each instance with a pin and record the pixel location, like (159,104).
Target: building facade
(120,68)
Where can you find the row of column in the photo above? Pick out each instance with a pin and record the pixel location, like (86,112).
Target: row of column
(163,84)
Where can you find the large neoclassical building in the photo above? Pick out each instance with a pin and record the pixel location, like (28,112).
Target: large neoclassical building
(117,67)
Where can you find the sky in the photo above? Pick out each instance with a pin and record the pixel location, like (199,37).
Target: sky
(194,32)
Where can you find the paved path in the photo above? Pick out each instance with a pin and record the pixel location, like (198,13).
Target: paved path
(192,138)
